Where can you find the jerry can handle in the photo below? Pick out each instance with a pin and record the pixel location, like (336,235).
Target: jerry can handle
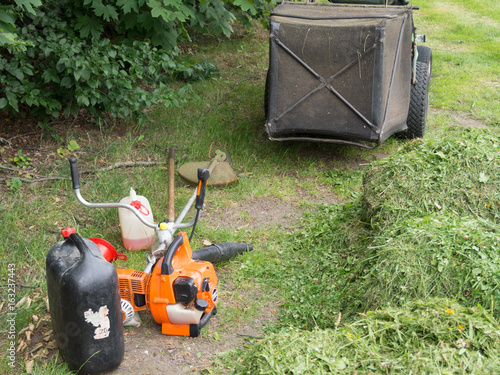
(81,246)
(166,265)
(121,256)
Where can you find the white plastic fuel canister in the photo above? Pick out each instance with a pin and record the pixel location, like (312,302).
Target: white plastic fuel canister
(136,235)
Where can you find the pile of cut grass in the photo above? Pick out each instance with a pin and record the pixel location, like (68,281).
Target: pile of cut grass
(393,244)
(423,337)
(449,176)
(432,256)
(433,211)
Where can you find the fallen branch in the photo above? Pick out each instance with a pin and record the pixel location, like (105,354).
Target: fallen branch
(8,168)
(38,179)
(23,135)
(125,164)
(19,286)
(36,175)
(44,178)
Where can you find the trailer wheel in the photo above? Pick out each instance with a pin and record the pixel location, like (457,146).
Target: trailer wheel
(425,56)
(266,95)
(419,102)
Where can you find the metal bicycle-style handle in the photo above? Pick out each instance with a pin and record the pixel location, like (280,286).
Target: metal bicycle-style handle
(198,195)
(76,187)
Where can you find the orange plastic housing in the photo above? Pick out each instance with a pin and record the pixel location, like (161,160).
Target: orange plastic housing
(132,283)
(161,292)
(158,290)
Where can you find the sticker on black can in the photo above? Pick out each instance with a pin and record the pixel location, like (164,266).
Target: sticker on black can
(99,320)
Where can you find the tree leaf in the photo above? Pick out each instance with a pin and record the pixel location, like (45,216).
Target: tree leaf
(73,145)
(66,82)
(128,6)
(246,6)
(106,11)
(7,18)
(157,10)
(87,25)
(29,4)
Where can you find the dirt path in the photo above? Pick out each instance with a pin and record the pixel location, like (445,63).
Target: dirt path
(148,351)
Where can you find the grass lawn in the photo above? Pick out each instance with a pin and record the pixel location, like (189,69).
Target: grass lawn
(365,261)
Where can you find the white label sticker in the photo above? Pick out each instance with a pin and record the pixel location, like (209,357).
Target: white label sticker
(99,320)
(214,295)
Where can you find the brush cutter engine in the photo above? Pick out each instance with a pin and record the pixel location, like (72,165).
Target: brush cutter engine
(180,293)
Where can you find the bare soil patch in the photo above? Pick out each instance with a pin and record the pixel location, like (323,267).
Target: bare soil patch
(149,352)
(266,212)
(461,119)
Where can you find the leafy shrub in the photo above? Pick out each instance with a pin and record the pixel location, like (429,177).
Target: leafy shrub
(111,58)
(9,12)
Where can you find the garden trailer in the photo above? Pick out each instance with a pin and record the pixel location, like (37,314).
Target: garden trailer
(348,73)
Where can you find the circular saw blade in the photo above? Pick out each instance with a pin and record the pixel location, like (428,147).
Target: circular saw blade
(223,174)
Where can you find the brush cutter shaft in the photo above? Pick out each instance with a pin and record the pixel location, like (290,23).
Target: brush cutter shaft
(186,209)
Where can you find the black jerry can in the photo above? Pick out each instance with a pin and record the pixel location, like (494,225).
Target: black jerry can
(84,302)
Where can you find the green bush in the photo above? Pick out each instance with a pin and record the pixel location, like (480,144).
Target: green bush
(111,58)
(9,13)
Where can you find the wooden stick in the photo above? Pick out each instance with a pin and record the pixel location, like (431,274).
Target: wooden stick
(126,164)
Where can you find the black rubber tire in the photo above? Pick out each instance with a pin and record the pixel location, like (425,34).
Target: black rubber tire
(266,95)
(419,103)
(425,56)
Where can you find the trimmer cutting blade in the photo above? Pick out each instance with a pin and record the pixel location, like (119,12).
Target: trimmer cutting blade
(221,171)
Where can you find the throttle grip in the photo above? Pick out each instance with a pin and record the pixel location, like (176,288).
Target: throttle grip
(203,176)
(74,173)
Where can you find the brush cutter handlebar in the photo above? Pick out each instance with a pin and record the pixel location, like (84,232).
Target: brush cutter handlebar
(203,175)
(76,187)
(171,226)
(74,173)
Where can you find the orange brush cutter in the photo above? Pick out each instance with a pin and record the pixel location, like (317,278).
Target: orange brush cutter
(180,293)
